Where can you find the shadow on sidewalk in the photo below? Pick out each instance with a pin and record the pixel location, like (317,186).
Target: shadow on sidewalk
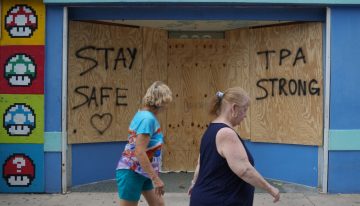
(178,182)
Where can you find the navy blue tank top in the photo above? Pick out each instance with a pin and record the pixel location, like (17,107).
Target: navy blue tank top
(217,184)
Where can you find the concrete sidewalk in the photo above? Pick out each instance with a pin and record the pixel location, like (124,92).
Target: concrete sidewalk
(176,185)
(171,199)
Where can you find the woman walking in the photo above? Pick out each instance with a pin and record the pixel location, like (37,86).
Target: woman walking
(225,174)
(138,167)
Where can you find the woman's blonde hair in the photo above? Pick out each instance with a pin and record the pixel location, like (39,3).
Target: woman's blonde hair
(232,95)
(157,95)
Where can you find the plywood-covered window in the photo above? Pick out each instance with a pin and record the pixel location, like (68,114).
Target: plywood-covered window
(279,66)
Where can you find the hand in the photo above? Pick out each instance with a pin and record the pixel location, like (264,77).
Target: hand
(191,187)
(275,193)
(159,186)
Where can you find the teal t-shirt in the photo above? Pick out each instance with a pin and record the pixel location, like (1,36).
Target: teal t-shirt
(144,122)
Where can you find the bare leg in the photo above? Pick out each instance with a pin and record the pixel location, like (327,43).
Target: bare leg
(127,203)
(152,198)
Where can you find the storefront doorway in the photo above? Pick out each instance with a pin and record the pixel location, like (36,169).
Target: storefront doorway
(111,62)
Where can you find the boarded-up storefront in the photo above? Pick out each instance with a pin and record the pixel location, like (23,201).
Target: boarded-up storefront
(110,67)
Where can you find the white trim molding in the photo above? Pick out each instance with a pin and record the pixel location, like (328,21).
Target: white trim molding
(325,166)
(64,103)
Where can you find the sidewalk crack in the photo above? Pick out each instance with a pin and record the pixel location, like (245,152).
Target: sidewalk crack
(313,204)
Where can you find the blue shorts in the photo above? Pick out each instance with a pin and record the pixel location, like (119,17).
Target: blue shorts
(131,184)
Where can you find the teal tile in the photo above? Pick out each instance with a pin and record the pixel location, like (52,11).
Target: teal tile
(52,142)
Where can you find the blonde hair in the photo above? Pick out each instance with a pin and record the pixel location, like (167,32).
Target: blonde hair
(232,95)
(157,95)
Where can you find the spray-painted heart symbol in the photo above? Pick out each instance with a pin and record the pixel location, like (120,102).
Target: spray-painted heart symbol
(101,122)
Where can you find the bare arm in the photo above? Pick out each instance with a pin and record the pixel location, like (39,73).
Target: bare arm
(142,140)
(196,173)
(230,147)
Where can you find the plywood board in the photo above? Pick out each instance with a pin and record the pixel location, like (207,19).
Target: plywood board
(104,81)
(286,84)
(197,69)
(154,56)
(238,73)
(179,64)
(155,63)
